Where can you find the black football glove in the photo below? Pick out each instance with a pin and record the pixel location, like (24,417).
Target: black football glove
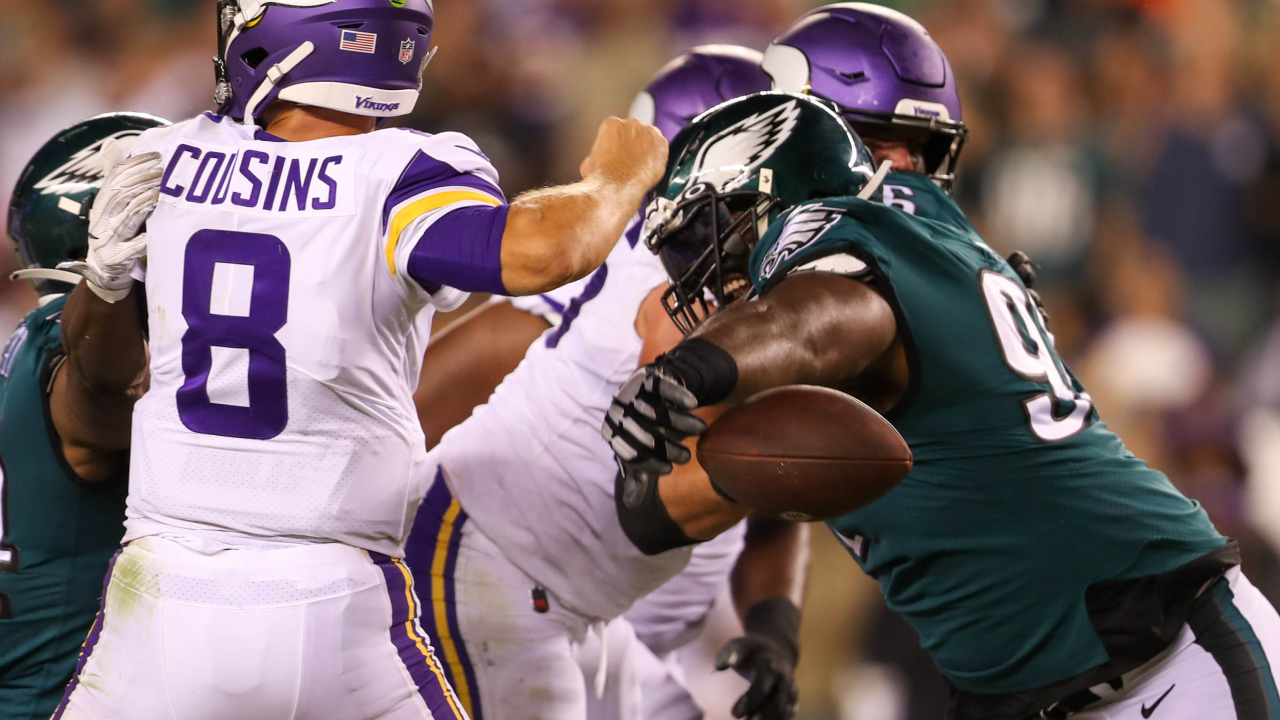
(647,421)
(1026,270)
(766,656)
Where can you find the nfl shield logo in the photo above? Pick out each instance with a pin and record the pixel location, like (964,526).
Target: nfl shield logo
(406,51)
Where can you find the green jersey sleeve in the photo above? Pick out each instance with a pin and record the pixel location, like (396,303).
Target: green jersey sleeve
(57,533)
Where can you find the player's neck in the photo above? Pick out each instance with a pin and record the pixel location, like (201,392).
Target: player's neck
(297,123)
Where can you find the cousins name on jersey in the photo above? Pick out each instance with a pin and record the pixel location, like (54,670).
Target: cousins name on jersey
(286,179)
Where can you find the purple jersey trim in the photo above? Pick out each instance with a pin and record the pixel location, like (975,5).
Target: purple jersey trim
(462,249)
(265,136)
(215,118)
(555,305)
(425,173)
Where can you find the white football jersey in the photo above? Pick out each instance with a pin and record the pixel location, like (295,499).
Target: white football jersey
(530,466)
(290,289)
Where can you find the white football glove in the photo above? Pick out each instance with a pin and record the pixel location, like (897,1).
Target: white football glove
(129,194)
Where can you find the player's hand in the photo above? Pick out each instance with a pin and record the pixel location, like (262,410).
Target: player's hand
(648,419)
(129,194)
(1026,270)
(770,667)
(628,152)
(645,425)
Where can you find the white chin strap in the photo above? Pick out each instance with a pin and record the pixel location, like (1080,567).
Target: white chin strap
(274,76)
(874,183)
(47,274)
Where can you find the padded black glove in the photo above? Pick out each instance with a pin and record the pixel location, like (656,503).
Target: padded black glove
(649,418)
(766,656)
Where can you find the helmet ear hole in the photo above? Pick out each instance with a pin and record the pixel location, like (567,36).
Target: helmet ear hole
(253,58)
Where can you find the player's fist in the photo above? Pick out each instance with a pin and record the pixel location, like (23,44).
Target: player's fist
(628,152)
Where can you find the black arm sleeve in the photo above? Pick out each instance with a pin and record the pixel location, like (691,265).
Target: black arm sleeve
(645,519)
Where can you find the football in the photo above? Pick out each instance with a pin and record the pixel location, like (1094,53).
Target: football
(804,453)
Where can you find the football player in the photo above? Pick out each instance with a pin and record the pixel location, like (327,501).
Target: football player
(64,429)
(1048,571)
(520,534)
(293,263)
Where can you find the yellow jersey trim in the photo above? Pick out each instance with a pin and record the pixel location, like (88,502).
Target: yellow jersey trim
(447,642)
(422,206)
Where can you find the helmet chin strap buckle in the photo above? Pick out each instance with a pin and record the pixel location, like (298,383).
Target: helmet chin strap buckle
(274,75)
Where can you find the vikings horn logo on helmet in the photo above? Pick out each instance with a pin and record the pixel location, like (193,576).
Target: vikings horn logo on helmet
(727,160)
(253,8)
(83,168)
(801,230)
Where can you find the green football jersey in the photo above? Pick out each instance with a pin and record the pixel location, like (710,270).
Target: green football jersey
(1020,498)
(57,534)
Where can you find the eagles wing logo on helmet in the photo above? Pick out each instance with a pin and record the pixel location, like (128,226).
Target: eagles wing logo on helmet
(801,230)
(84,168)
(727,160)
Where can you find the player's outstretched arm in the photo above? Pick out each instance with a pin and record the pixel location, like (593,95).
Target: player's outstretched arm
(557,235)
(464,364)
(814,328)
(91,402)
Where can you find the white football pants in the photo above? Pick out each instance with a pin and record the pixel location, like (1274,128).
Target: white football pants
(512,651)
(1222,666)
(313,632)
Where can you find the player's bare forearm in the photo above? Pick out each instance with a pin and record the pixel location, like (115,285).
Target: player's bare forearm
(466,362)
(694,505)
(557,235)
(774,563)
(91,402)
(700,511)
(814,328)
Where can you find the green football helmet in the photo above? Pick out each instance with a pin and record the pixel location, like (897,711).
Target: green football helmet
(733,172)
(49,209)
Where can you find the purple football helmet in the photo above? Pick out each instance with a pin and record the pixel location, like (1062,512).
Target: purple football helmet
(697,81)
(884,71)
(363,57)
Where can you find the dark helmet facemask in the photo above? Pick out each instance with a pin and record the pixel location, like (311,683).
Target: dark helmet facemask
(704,240)
(733,172)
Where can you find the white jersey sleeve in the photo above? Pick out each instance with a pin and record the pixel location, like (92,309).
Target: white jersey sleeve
(290,289)
(443,222)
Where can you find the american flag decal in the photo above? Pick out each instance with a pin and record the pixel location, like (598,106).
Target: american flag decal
(356,41)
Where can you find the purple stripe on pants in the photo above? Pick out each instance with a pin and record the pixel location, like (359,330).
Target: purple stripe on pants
(95,632)
(419,555)
(415,651)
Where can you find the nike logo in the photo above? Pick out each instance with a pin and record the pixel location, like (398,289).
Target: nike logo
(1146,711)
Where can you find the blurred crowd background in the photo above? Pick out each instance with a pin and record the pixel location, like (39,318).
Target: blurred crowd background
(1131,147)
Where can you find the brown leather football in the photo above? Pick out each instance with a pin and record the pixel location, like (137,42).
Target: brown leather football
(804,453)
